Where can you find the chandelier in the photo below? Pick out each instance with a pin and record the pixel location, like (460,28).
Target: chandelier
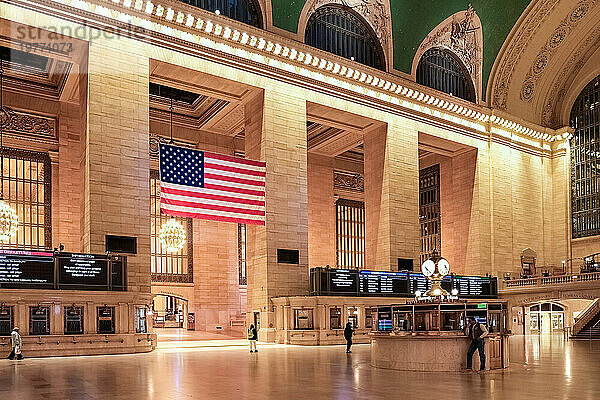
(172,236)
(8,218)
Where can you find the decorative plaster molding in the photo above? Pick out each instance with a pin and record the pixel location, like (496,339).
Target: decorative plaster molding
(461,34)
(348,181)
(546,53)
(552,112)
(516,47)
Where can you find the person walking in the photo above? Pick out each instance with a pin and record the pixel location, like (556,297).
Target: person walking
(477,333)
(348,332)
(16,343)
(252,338)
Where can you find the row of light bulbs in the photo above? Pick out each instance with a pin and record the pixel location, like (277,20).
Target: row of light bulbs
(207,27)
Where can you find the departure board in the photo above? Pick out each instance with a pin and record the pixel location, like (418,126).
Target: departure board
(380,283)
(474,286)
(343,281)
(335,282)
(418,282)
(20,269)
(83,270)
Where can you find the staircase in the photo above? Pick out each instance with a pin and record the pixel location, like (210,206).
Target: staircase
(588,323)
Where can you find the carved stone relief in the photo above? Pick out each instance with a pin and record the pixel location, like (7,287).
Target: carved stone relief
(348,181)
(461,34)
(24,123)
(374,11)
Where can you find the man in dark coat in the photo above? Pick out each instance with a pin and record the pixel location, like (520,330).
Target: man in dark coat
(348,332)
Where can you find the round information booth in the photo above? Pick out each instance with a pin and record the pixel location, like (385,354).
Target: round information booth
(430,336)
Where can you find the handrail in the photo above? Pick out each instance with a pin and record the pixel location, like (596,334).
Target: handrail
(585,317)
(551,280)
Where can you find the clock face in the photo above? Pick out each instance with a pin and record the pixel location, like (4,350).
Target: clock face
(443,267)
(428,268)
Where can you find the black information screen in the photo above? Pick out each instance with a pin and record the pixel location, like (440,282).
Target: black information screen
(337,282)
(379,283)
(473,286)
(83,270)
(419,282)
(26,269)
(343,281)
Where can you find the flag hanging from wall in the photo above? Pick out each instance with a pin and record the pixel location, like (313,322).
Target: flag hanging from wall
(218,187)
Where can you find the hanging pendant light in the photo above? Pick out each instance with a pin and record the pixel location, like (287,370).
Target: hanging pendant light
(172,235)
(8,218)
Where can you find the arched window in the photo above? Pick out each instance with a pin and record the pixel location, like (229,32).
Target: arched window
(585,162)
(340,30)
(441,70)
(246,11)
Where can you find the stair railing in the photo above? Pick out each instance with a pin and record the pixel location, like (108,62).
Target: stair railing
(585,317)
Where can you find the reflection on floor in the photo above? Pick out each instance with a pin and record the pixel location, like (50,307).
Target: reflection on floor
(543,367)
(178,334)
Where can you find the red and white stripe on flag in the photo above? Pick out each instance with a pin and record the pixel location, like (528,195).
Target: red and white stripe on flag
(233,191)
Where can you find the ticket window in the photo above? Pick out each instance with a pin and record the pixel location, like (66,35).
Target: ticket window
(106,320)
(6,320)
(353,317)
(303,319)
(39,320)
(369,318)
(140,320)
(73,320)
(335,318)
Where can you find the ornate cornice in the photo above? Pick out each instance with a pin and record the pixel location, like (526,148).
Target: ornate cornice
(187,29)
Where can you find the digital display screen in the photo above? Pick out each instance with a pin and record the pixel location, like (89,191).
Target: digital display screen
(83,270)
(380,283)
(333,282)
(473,286)
(343,281)
(26,269)
(419,282)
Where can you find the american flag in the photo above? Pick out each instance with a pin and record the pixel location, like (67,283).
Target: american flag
(199,184)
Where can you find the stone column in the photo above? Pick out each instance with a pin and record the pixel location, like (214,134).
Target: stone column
(391,195)
(321,211)
(115,156)
(276,133)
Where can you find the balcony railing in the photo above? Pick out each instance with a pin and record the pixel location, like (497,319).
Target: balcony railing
(550,280)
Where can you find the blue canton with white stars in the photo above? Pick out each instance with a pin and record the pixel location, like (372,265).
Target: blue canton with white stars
(181,166)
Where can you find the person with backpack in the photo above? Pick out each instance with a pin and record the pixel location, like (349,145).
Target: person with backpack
(477,333)
(348,332)
(16,343)
(252,338)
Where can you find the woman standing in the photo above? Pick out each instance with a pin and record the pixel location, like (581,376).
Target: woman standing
(252,338)
(15,341)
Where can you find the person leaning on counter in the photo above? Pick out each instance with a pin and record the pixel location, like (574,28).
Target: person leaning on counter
(477,333)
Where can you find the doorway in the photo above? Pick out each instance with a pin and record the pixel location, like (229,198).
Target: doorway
(546,318)
(169,311)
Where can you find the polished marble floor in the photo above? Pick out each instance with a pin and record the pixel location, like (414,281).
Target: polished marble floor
(543,367)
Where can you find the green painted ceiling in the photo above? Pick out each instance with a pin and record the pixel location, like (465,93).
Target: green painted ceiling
(412,20)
